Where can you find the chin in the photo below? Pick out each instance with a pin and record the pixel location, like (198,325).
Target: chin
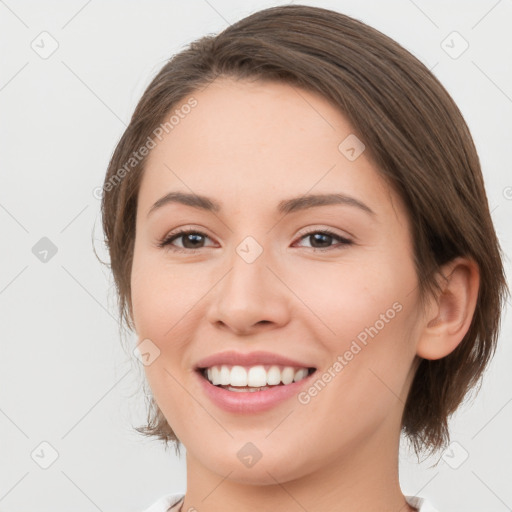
(267,470)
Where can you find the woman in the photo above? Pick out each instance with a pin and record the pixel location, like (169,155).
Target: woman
(300,237)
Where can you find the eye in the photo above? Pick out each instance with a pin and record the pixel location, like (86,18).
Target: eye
(190,236)
(192,239)
(325,236)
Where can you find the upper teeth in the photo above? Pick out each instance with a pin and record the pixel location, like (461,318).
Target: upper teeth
(254,376)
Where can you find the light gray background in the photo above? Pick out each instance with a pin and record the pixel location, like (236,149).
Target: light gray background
(64,376)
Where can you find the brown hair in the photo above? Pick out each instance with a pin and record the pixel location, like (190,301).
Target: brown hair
(413,132)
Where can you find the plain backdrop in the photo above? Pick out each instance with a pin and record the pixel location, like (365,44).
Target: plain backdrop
(70,76)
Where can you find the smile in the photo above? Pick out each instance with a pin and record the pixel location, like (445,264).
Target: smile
(238,396)
(253,378)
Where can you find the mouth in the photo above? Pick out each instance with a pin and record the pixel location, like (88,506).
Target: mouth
(255,378)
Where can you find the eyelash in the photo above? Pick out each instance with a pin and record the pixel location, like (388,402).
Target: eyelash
(166,242)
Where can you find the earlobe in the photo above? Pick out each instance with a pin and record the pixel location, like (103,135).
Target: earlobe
(449,317)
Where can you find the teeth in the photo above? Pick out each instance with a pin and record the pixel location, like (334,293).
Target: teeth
(288,375)
(254,376)
(273,376)
(224,377)
(238,376)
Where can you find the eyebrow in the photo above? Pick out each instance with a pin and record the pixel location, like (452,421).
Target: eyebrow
(284,207)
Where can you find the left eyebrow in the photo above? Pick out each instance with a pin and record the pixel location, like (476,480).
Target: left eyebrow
(284,207)
(314,200)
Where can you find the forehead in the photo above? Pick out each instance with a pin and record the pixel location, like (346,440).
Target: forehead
(245,141)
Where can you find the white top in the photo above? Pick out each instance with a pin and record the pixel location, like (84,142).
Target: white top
(165,503)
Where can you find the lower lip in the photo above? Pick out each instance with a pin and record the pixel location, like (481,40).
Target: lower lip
(250,402)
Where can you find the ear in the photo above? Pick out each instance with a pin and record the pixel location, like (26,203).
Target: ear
(449,314)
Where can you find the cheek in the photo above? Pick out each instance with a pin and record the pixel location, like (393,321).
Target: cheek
(363,314)
(346,297)
(160,301)
(161,293)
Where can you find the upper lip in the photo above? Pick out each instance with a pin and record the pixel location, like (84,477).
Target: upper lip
(249,359)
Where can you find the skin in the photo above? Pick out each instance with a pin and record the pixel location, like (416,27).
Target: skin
(249,146)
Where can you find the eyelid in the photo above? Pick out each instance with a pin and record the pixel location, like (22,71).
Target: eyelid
(319,228)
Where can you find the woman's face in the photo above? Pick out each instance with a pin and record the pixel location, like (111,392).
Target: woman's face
(260,276)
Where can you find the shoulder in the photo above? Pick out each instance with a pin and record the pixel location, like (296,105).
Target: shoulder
(165,502)
(422,504)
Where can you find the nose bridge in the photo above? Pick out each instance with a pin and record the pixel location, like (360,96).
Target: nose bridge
(249,293)
(248,277)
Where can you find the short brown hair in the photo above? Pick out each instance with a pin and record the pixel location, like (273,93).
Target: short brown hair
(414,134)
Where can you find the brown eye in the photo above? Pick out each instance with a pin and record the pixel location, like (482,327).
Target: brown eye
(191,241)
(321,240)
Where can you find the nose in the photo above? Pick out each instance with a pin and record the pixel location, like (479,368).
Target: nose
(251,297)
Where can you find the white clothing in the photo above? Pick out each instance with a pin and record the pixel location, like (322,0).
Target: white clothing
(165,503)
